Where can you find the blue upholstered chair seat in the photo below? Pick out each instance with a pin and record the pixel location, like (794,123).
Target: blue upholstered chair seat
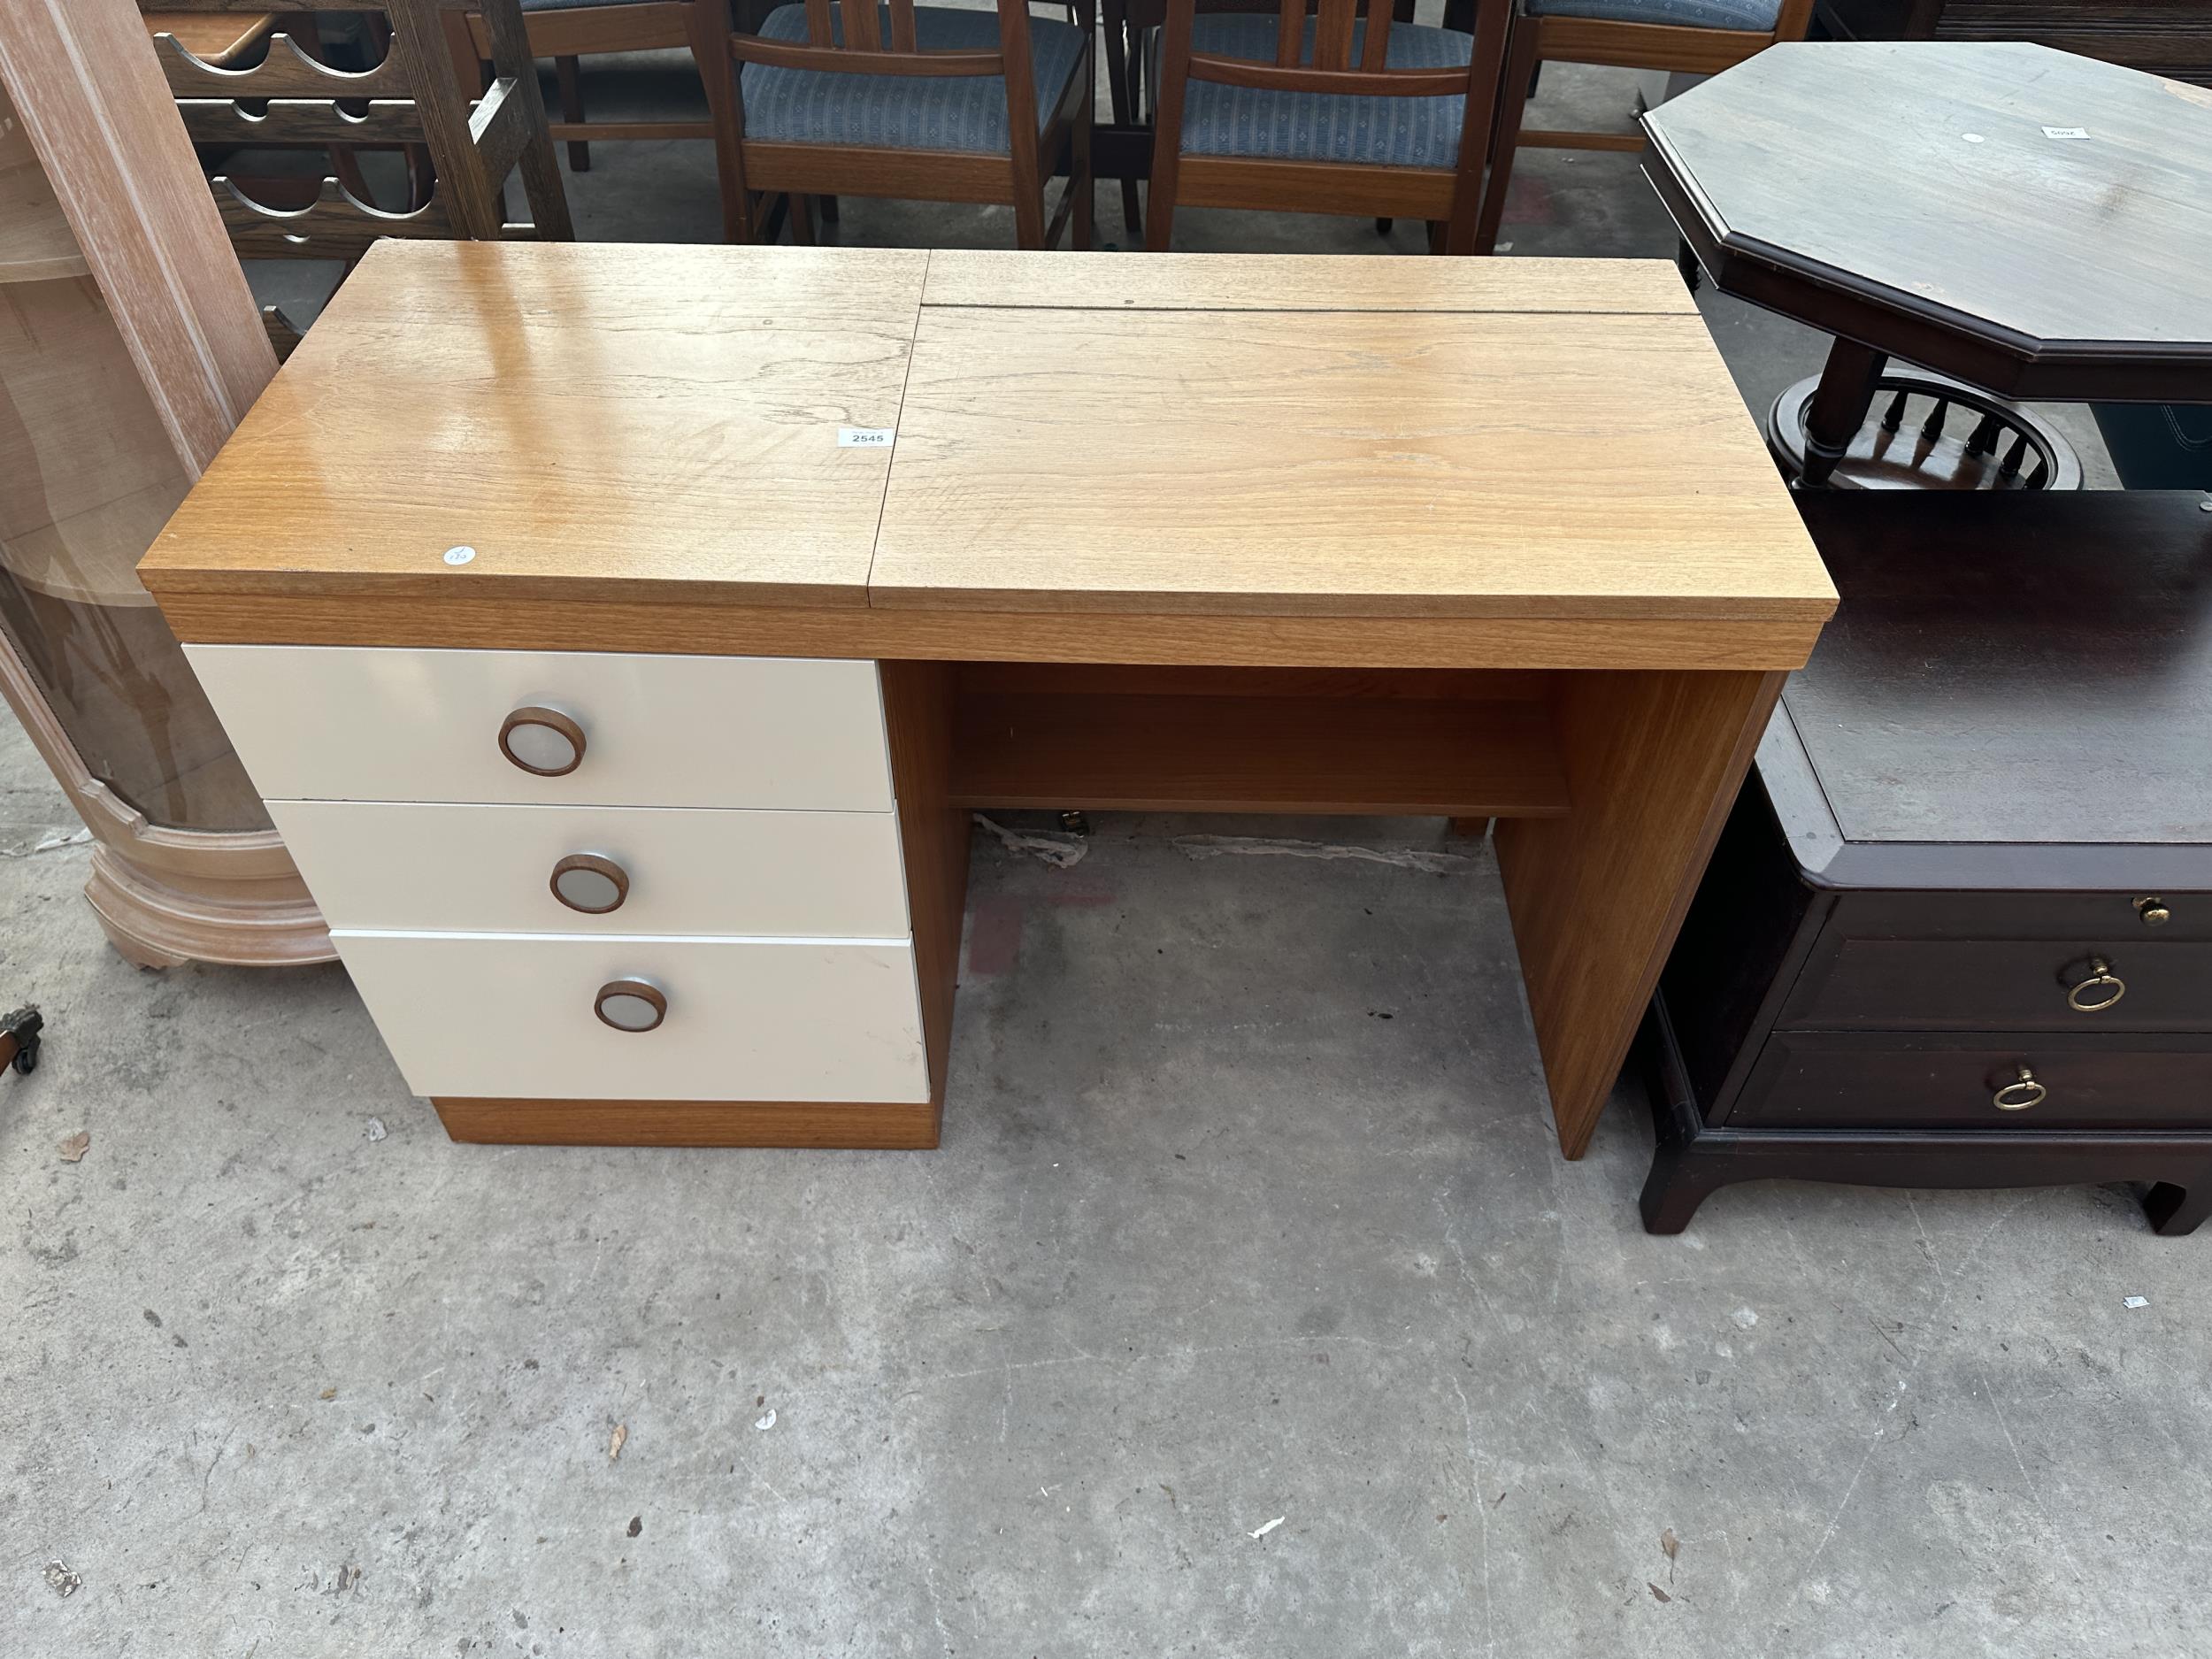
(1710,14)
(1223,120)
(965,113)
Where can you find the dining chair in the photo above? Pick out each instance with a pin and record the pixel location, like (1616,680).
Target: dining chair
(1682,36)
(567,31)
(1330,112)
(839,98)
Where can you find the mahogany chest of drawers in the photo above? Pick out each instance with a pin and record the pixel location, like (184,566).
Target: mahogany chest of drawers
(1958,930)
(2162,37)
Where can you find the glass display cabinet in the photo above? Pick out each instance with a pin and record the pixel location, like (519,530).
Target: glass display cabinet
(103,426)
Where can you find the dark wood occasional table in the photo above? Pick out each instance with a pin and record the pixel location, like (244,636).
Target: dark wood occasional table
(2032,224)
(1958,931)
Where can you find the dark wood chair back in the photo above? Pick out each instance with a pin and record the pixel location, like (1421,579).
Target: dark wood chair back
(851,37)
(835,27)
(291,98)
(1349,55)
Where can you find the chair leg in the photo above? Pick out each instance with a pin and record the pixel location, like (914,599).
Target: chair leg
(1520,67)
(565,71)
(1118,94)
(1082,228)
(828,206)
(1029,217)
(801,221)
(1436,235)
(1382,226)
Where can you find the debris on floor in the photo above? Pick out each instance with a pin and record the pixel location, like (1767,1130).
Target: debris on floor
(64,1579)
(1061,852)
(768,1422)
(2135,1302)
(1263,847)
(614,1442)
(1270,1527)
(374,1129)
(72,1147)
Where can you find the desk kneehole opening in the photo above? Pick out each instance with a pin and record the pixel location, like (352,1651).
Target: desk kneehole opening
(630,1005)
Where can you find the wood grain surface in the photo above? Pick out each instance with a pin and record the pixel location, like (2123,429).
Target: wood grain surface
(1147,752)
(595,420)
(2031,672)
(1653,763)
(686,626)
(1936,176)
(1340,463)
(1302,282)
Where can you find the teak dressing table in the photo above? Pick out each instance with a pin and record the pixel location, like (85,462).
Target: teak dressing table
(622,635)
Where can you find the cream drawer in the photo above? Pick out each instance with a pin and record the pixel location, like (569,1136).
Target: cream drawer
(478,1014)
(344,723)
(402,867)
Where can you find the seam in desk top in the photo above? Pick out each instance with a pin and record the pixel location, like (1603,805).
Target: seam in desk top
(1282,311)
(898,420)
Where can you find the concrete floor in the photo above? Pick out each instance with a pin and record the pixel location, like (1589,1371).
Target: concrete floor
(1249,1207)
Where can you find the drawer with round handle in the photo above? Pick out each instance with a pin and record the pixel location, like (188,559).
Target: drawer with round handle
(2013,1081)
(397,866)
(2113,983)
(621,1017)
(343,722)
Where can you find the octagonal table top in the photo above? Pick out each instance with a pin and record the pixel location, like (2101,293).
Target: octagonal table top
(2035,221)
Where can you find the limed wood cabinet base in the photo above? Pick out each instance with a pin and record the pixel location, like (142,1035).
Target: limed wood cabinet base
(630,745)
(1958,931)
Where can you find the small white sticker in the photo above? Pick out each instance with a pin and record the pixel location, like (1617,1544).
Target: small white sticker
(864,437)
(1973,138)
(2135,1302)
(459,555)
(2065,132)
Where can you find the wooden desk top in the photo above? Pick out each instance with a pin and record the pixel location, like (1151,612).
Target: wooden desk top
(1202,435)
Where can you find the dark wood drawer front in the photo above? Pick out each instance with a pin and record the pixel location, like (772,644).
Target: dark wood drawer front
(1819,1080)
(2117,918)
(2030,985)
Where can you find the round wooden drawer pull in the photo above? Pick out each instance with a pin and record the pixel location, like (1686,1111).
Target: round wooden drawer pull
(2099,991)
(542,741)
(588,883)
(2022,1093)
(630,1005)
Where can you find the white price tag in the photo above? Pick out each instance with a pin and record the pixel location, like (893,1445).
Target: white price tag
(864,437)
(2065,132)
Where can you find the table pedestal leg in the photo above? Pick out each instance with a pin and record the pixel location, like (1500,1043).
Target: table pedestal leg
(1654,759)
(1839,408)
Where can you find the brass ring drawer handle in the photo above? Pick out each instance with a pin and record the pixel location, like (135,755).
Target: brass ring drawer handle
(630,1005)
(2099,991)
(2022,1093)
(542,741)
(589,884)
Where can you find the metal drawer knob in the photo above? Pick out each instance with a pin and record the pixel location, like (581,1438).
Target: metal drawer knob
(2154,912)
(2099,991)
(542,741)
(588,883)
(2022,1093)
(630,1005)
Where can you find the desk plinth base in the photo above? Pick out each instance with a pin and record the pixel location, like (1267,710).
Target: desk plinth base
(909,1127)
